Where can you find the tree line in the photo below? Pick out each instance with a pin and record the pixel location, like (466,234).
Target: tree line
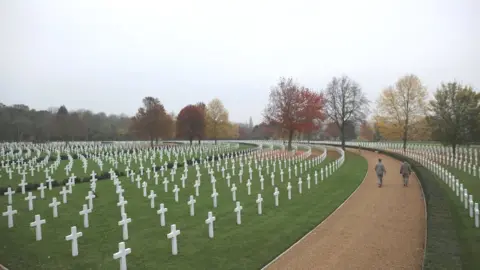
(151,122)
(404,111)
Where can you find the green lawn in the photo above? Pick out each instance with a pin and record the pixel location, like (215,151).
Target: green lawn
(247,246)
(60,174)
(468,235)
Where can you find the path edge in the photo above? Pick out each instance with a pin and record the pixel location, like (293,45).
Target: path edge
(3,267)
(311,231)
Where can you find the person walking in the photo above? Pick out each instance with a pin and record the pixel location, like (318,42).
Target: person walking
(405,171)
(381,171)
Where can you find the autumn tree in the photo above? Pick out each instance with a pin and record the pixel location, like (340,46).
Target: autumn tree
(151,120)
(312,112)
(344,102)
(455,114)
(403,104)
(191,123)
(217,118)
(285,107)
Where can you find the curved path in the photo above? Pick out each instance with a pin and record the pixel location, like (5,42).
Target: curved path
(376,228)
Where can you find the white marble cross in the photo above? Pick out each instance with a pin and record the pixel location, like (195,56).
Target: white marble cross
(38,227)
(214,196)
(238,210)
(9,213)
(64,193)
(144,186)
(74,235)
(122,255)
(42,190)
(289,190)
(173,235)
(22,185)
(152,197)
(30,199)
(300,185)
(176,190)
(90,198)
(210,219)
(124,223)
(85,213)
(191,203)
(54,205)
(165,184)
(9,193)
(162,212)
(196,186)
(234,192)
(122,203)
(276,193)
(259,203)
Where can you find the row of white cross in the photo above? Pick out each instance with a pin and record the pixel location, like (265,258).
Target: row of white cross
(87,209)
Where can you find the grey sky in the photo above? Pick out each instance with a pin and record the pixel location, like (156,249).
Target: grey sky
(107,55)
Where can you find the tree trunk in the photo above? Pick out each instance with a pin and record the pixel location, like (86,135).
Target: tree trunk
(342,134)
(290,137)
(151,141)
(405,135)
(454,148)
(191,141)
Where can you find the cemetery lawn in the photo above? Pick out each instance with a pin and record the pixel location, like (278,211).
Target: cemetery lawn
(468,235)
(254,243)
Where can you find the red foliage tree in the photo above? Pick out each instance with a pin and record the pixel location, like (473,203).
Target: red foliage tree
(312,111)
(285,107)
(191,123)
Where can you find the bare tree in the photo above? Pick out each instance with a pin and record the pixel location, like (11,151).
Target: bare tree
(345,102)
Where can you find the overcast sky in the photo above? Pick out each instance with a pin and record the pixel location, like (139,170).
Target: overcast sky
(107,55)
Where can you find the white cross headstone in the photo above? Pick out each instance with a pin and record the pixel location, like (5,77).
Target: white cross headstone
(54,205)
(234,192)
(191,203)
(90,198)
(289,190)
(238,210)
(42,190)
(276,193)
(38,227)
(210,221)
(152,197)
(162,212)
(122,255)
(85,213)
(176,190)
(173,235)
(9,193)
(9,213)
(74,235)
(124,223)
(259,203)
(214,196)
(30,199)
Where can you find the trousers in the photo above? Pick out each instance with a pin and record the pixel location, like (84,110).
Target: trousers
(405,179)
(379,179)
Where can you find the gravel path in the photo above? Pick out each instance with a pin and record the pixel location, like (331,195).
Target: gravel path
(376,228)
